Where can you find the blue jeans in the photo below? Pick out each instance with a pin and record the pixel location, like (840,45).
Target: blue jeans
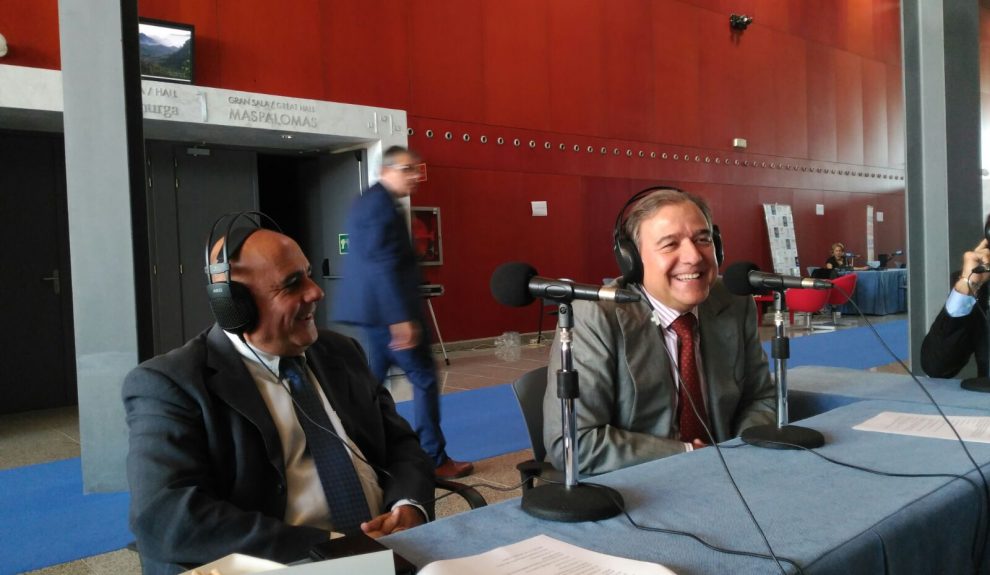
(421,371)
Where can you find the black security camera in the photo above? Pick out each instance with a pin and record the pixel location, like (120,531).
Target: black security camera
(740,21)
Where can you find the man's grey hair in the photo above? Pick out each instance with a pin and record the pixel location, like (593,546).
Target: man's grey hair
(645,208)
(391,155)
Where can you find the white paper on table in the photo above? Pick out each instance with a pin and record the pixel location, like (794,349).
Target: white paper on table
(377,563)
(970,427)
(237,564)
(542,555)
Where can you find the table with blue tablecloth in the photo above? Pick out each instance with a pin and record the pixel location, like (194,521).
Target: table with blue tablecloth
(817,389)
(879,292)
(827,518)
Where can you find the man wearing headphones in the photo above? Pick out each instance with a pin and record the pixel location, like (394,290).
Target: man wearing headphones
(658,374)
(262,435)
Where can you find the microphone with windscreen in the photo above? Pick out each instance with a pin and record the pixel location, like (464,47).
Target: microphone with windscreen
(516,284)
(745,278)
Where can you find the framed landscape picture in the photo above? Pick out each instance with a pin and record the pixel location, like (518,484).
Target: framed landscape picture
(166,50)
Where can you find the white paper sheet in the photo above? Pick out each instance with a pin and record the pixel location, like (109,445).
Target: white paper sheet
(378,563)
(970,428)
(237,564)
(542,555)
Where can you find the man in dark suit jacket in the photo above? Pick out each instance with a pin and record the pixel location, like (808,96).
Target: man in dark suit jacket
(218,461)
(959,331)
(380,292)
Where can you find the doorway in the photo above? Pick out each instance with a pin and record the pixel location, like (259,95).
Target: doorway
(36,306)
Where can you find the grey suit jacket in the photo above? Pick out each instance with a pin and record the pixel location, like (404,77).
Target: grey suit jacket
(626,410)
(205,466)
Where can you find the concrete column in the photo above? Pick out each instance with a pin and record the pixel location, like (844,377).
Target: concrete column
(104,181)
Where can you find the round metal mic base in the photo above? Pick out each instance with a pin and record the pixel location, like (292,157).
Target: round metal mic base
(981,384)
(572,504)
(786,437)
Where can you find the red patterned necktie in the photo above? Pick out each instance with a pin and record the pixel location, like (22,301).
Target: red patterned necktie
(691,427)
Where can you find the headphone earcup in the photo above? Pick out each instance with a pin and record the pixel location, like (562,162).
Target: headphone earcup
(627,257)
(232,306)
(717,244)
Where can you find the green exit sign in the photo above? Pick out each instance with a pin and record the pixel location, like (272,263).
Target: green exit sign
(343,244)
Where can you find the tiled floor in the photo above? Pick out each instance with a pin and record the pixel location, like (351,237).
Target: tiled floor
(43,436)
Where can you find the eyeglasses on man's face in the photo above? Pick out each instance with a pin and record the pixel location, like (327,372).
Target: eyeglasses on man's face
(417,171)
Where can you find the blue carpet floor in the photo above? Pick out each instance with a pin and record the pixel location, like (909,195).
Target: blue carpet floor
(480,423)
(855,347)
(46,519)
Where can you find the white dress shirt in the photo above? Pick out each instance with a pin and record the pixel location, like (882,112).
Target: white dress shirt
(663,317)
(306,503)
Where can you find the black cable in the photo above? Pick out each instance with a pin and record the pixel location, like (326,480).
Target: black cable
(378,469)
(981,525)
(714,443)
(621,506)
(732,480)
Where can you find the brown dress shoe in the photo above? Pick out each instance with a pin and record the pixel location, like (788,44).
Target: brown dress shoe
(451,469)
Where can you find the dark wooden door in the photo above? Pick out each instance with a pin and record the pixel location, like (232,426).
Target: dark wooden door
(35,298)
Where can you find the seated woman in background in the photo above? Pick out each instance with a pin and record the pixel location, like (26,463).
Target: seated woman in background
(835,263)
(837,260)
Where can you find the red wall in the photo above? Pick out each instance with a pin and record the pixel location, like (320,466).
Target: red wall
(814,86)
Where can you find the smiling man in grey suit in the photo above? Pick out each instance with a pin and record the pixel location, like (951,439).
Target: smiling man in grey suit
(225,458)
(654,374)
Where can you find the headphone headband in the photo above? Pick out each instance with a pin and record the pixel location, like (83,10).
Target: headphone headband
(231,301)
(223,260)
(625,248)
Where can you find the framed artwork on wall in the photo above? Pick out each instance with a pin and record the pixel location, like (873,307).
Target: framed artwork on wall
(426,236)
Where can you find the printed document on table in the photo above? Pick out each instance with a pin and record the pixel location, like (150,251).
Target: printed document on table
(970,427)
(542,555)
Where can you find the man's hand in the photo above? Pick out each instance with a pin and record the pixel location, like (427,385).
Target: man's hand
(698,444)
(405,335)
(399,519)
(980,256)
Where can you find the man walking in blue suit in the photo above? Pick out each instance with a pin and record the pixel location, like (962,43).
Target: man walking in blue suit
(380,292)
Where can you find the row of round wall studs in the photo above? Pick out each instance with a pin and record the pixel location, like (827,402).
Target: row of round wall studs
(685,157)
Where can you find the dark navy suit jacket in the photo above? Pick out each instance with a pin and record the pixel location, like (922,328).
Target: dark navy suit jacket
(380,284)
(951,341)
(205,466)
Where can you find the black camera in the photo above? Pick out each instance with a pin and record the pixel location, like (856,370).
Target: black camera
(740,21)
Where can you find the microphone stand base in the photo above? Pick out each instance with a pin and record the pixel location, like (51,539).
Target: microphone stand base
(557,502)
(786,437)
(981,384)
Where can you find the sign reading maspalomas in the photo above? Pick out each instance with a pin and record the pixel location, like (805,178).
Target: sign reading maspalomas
(271,112)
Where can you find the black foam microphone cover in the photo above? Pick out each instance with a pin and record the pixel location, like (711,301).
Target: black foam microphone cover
(736,278)
(510,284)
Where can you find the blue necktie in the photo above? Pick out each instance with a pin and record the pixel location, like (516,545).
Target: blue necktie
(348,506)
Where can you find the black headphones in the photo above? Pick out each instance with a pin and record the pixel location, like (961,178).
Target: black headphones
(230,301)
(626,251)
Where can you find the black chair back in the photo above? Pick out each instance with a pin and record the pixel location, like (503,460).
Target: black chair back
(529,390)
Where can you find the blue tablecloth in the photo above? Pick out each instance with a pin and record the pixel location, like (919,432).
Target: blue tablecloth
(879,292)
(830,519)
(815,389)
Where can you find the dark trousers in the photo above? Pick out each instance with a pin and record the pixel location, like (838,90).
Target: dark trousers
(421,371)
